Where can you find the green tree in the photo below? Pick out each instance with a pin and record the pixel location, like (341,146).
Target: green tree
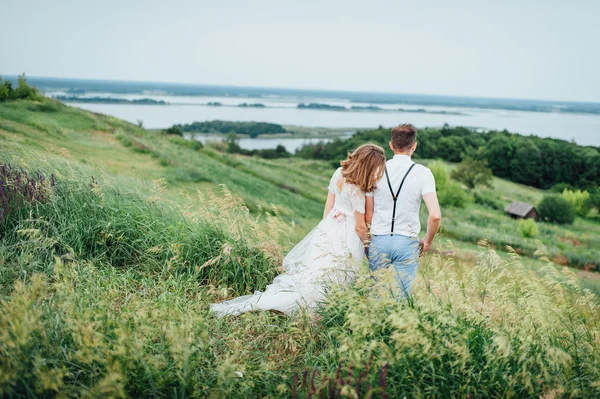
(526,164)
(233,143)
(451,148)
(473,173)
(498,151)
(560,187)
(556,209)
(579,199)
(5,89)
(174,130)
(23,90)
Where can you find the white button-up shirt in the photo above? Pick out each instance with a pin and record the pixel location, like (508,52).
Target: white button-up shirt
(419,182)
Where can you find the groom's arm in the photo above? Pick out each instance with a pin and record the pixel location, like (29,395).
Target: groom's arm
(433,222)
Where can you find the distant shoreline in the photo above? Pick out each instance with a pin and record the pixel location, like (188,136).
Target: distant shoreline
(328,107)
(300,106)
(79,86)
(109,100)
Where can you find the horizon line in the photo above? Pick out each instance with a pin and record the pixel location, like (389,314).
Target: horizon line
(346,91)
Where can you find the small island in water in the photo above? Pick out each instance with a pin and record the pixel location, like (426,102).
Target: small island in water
(321,106)
(254,105)
(251,129)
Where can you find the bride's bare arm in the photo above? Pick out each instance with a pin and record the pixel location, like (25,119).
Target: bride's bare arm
(369,209)
(329,204)
(361,226)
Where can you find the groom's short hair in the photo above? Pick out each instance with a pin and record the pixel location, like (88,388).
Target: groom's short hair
(404,136)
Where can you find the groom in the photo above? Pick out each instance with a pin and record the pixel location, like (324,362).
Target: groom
(392,210)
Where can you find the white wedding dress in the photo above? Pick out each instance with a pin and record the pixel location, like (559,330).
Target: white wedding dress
(330,254)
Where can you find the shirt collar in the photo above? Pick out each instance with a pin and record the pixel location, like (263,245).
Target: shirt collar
(402,157)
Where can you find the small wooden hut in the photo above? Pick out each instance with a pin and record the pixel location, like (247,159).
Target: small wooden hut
(521,210)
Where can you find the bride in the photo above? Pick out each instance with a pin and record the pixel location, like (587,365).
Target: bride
(332,251)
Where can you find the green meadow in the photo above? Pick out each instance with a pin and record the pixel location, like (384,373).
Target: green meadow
(124,236)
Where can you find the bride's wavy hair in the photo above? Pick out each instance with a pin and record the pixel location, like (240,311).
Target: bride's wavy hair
(364,167)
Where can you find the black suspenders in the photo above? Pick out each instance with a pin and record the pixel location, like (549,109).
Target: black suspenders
(395,197)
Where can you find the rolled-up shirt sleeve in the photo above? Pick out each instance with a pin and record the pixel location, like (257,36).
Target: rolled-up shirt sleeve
(428,183)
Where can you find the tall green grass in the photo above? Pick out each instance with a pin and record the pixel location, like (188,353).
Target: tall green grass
(116,304)
(105,285)
(104,223)
(565,246)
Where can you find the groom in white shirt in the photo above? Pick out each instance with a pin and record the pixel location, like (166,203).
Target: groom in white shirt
(392,210)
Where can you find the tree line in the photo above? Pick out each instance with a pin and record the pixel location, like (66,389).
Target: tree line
(233,147)
(110,100)
(530,160)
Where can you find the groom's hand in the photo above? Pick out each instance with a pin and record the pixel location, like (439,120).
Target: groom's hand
(424,246)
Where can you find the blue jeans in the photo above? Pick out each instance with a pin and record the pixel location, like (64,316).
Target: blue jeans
(399,251)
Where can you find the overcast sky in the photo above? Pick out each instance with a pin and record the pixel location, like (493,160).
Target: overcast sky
(511,48)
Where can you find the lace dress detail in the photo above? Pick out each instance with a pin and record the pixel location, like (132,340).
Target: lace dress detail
(350,198)
(330,254)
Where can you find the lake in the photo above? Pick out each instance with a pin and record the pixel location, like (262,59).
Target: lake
(582,128)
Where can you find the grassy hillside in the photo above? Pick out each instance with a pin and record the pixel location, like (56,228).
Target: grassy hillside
(106,277)
(116,148)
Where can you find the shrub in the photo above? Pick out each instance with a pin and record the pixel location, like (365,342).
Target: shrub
(19,191)
(193,144)
(556,209)
(449,192)
(174,130)
(5,89)
(579,200)
(472,173)
(528,228)
(272,153)
(125,140)
(440,173)
(47,106)
(24,91)
(593,202)
(452,194)
(233,143)
(140,147)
